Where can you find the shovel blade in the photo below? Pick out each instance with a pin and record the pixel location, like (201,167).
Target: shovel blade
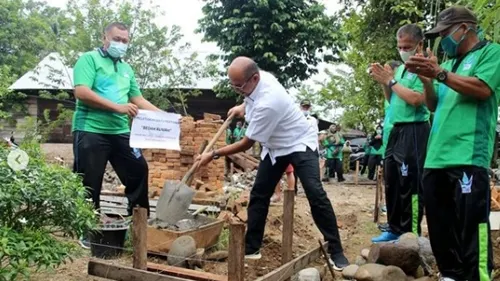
(174,202)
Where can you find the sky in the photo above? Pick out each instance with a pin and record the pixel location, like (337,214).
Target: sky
(186,13)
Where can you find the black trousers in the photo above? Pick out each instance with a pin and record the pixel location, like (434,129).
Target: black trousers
(306,165)
(457,205)
(334,165)
(373,163)
(366,158)
(403,168)
(92,153)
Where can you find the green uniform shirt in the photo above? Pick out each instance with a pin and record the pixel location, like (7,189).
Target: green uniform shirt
(401,111)
(330,147)
(228,136)
(463,130)
(112,81)
(367,148)
(238,133)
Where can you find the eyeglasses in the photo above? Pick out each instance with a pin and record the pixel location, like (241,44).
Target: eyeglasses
(241,87)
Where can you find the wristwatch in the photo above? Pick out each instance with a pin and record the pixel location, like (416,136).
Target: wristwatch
(215,156)
(392,83)
(442,76)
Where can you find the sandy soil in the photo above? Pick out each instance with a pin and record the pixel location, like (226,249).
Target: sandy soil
(353,206)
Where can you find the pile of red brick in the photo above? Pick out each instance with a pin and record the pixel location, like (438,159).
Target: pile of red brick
(172,165)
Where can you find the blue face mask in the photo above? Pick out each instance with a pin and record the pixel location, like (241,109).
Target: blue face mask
(117,49)
(449,45)
(306,113)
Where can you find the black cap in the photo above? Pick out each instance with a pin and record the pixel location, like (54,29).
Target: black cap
(449,17)
(305,103)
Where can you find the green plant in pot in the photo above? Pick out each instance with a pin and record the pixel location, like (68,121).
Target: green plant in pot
(42,209)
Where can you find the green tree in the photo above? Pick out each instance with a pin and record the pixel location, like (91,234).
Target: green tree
(285,37)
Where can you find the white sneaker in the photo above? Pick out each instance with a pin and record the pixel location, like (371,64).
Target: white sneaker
(254,256)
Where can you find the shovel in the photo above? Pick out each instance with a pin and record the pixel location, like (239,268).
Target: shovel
(176,197)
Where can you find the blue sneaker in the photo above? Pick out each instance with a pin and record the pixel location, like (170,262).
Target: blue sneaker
(385,237)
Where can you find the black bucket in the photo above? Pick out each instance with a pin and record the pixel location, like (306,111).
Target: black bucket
(107,242)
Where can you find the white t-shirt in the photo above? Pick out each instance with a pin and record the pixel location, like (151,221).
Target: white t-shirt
(276,121)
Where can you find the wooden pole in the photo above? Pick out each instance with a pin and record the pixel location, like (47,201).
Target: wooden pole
(356,175)
(139,236)
(231,172)
(287,239)
(236,258)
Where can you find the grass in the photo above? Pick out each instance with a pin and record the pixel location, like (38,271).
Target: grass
(223,242)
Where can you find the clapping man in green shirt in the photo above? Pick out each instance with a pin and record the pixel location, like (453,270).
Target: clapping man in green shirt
(407,143)
(107,96)
(463,92)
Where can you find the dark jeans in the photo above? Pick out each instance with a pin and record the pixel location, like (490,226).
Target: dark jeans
(334,165)
(457,205)
(366,158)
(306,164)
(373,163)
(92,153)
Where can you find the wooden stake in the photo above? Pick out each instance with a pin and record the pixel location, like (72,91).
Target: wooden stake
(325,255)
(356,175)
(236,259)
(287,238)
(139,236)
(231,171)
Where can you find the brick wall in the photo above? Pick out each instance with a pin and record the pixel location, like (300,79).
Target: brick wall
(172,165)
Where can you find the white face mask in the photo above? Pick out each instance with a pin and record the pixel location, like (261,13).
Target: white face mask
(306,112)
(117,49)
(405,55)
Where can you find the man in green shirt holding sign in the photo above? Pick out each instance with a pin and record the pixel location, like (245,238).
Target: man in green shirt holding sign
(107,95)
(407,142)
(464,92)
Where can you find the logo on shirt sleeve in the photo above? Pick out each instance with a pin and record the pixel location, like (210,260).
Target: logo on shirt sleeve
(466,183)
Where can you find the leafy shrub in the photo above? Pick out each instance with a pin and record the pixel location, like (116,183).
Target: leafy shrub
(39,207)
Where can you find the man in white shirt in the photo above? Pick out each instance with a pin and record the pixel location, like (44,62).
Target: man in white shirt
(287,138)
(305,106)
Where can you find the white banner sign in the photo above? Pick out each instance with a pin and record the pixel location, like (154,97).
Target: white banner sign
(155,129)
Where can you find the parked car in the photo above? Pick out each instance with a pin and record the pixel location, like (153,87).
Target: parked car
(356,157)
(357,145)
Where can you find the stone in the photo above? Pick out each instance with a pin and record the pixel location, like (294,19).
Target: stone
(309,274)
(217,256)
(350,271)
(182,248)
(369,271)
(365,253)
(408,259)
(420,272)
(426,256)
(360,260)
(197,260)
(409,240)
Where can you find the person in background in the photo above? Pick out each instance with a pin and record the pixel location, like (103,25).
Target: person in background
(463,92)
(367,149)
(238,132)
(407,143)
(107,96)
(290,181)
(346,157)
(334,143)
(322,154)
(376,153)
(229,136)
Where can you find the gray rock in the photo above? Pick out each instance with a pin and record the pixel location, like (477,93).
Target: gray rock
(409,240)
(309,274)
(378,272)
(182,248)
(365,253)
(350,271)
(426,255)
(420,272)
(360,261)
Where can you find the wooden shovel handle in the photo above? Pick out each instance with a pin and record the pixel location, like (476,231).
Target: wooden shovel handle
(196,165)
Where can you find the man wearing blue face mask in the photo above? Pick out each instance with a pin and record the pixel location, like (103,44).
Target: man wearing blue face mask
(463,92)
(107,95)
